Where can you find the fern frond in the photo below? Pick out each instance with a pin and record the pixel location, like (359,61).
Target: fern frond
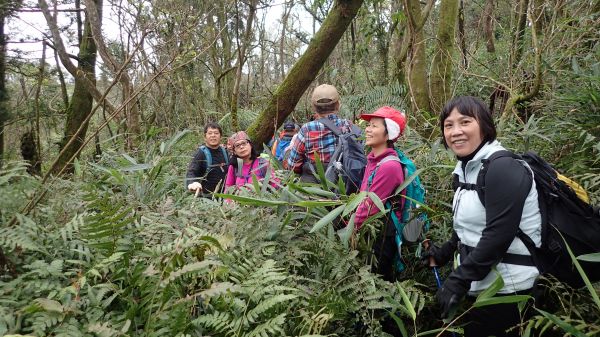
(191,268)
(272,327)
(25,236)
(266,304)
(219,322)
(105,228)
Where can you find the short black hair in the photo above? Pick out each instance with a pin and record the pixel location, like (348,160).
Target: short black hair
(472,107)
(212,125)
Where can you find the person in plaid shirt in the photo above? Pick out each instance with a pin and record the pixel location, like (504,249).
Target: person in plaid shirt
(314,138)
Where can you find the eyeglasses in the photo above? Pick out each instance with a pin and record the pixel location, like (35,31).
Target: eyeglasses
(241,144)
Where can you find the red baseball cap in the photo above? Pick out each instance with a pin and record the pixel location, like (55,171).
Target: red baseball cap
(395,121)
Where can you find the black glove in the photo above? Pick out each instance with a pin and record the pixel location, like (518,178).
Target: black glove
(441,255)
(451,293)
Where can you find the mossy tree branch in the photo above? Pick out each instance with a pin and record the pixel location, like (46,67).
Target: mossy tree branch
(537,82)
(305,70)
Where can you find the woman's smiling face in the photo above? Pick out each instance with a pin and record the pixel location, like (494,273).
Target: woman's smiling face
(462,133)
(375,132)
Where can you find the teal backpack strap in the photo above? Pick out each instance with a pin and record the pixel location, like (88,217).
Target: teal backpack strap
(225,155)
(207,157)
(384,160)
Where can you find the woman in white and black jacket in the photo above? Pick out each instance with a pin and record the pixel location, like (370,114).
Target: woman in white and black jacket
(486,236)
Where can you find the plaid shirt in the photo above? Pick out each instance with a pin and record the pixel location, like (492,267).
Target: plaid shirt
(313,139)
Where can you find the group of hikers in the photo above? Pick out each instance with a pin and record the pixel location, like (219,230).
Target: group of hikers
(484,231)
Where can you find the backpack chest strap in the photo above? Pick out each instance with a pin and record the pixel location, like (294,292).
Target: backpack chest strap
(508,258)
(467,186)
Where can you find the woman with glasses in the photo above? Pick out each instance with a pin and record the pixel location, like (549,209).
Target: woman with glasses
(245,163)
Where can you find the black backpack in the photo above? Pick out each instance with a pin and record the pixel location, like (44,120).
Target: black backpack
(564,215)
(348,160)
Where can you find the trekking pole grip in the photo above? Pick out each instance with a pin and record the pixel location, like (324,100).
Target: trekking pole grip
(426,243)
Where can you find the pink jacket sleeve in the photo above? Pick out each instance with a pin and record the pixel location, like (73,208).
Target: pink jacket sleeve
(387,178)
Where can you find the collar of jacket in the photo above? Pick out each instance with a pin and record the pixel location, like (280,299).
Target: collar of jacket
(484,153)
(371,158)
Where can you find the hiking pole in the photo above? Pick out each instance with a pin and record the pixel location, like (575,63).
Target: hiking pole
(433,265)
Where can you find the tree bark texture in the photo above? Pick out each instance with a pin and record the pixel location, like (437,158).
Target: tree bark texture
(519,33)
(383,45)
(287,9)
(441,72)
(89,84)
(488,17)
(61,78)
(132,115)
(241,59)
(81,99)
(462,37)
(417,65)
(305,70)
(37,165)
(3,93)
(518,98)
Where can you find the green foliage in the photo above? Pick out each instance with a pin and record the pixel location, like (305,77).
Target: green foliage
(132,261)
(369,100)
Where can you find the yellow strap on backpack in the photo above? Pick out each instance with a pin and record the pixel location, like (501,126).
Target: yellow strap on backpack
(578,189)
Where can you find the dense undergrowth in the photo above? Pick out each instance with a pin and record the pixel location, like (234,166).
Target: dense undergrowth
(120,249)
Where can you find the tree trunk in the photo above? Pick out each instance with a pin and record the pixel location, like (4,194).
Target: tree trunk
(226,57)
(417,66)
(488,17)
(462,37)
(382,46)
(284,22)
(286,96)
(538,16)
(240,64)
(3,93)
(515,99)
(352,55)
(37,164)
(81,100)
(132,116)
(61,79)
(401,52)
(441,72)
(519,33)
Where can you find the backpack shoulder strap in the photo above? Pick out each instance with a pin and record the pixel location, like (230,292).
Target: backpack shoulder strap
(239,168)
(455,182)
(330,125)
(225,155)
(479,186)
(207,156)
(382,161)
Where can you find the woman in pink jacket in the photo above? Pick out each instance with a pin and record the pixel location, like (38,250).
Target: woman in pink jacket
(383,175)
(245,163)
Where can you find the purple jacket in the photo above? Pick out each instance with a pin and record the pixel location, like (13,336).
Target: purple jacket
(388,177)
